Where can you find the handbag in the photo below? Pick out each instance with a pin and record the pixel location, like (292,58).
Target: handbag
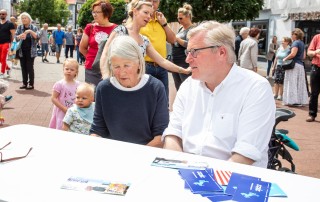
(15,46)
(288,64)
(96,62)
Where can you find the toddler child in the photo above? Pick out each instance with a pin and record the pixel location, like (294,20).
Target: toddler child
(79,117)
(63,95)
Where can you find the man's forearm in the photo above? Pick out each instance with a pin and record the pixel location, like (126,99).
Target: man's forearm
(172,142)
(238,158)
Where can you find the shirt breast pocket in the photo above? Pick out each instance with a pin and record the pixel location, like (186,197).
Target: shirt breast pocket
(224,126)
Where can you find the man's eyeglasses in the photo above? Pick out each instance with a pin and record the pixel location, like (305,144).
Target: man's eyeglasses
(194,51)
(96,12)
(3,14)
(13,158)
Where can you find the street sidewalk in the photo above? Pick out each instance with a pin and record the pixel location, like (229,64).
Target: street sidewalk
(35,107)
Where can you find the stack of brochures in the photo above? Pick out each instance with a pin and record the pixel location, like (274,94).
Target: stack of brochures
(235,187)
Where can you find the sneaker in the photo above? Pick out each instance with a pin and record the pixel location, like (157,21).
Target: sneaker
(3,76)
(267,77)
(8,98)
(9,73)
(23,87)
(46,60)
(310,119)
(296,105)
(29,87)
(275,96)
(279,97)
(42,60)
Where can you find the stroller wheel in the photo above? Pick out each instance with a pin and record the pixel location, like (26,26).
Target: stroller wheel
(275,164)
(287,170)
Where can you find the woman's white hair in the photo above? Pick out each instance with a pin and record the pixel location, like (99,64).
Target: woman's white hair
(127,48)
(217,34)
(26,15)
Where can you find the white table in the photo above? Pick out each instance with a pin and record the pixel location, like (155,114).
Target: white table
(57,155)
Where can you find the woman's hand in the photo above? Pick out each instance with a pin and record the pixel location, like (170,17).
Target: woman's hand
(186,71)
(22,36)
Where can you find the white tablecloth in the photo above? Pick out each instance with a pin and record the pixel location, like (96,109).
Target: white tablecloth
(57,155)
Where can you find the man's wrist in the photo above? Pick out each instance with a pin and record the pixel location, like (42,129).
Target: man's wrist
(164,25)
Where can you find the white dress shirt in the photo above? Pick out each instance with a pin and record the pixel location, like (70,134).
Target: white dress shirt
(238,116)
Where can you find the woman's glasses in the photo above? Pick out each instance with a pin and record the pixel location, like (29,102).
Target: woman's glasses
(12,158)
(96,12)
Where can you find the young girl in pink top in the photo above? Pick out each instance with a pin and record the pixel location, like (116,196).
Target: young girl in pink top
(63,95)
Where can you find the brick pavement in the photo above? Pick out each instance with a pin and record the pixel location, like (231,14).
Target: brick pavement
(35,107)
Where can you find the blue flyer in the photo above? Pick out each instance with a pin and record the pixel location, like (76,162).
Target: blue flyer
(237,179)
(252,191)
(200,181)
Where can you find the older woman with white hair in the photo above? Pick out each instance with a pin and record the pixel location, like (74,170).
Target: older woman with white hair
(28,33)
(131,106)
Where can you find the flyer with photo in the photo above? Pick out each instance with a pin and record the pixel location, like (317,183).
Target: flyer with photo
(95,185)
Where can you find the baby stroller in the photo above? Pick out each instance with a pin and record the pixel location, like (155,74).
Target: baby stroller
(52,49)
(278,143)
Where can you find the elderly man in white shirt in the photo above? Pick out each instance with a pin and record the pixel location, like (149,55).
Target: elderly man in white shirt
(223,111)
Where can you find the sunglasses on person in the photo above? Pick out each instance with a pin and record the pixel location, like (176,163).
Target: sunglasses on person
(13,158)
(3,14)
(179,18)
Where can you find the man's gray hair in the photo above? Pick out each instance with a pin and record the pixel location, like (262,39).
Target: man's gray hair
(217,34)
(127,48)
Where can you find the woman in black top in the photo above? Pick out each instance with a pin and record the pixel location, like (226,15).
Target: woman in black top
(181,43)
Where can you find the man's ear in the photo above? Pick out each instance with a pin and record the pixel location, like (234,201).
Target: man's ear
(222,50)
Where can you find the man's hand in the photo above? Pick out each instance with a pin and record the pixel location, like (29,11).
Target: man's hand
(160,17)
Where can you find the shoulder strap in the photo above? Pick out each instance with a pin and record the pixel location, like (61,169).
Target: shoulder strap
(126,30)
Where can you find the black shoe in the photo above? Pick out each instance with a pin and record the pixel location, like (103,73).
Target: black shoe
(58,61)
(42,60)
(23,87)
(46,60)
(29,87)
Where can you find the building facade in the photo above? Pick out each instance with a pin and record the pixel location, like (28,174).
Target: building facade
(74,6)
(280,17)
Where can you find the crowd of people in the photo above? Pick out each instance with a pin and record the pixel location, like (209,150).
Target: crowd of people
(125,93)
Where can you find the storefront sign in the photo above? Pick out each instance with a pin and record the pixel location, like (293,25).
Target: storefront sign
(305,16)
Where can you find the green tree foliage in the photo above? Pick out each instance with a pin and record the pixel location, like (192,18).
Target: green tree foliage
(222,11)
(86,17)
(49,11)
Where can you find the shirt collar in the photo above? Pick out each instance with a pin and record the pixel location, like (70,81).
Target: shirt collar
(230,78)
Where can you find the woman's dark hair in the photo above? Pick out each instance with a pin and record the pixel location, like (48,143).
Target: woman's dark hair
(106,8)
(254,32)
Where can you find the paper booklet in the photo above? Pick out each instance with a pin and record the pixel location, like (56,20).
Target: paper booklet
(95,185)
(177,164)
